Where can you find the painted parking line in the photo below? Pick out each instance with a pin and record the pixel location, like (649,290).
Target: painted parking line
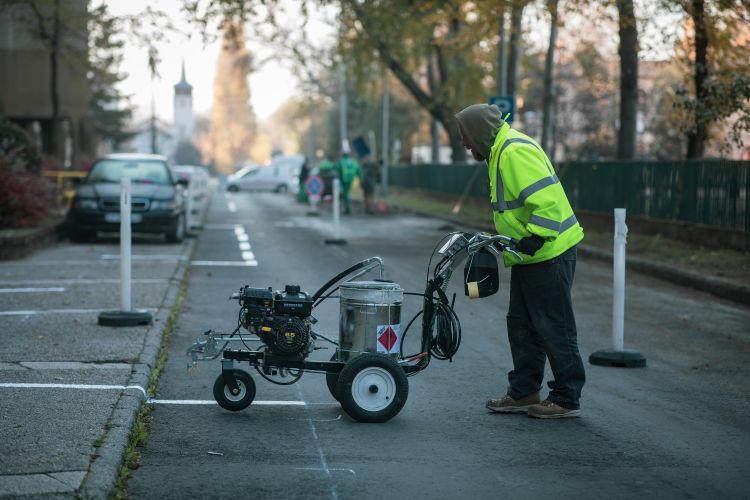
(88,387)
(225,263)
(82,281)
(212,402)
(231,206)
(31,290)
(102,387)
(59,311)
(146,257)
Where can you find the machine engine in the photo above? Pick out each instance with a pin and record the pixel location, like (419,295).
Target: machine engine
(281,319)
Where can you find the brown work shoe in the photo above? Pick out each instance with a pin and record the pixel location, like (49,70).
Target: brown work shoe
(507,404)
(548,409)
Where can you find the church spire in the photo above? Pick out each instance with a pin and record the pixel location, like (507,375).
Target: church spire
(183,87)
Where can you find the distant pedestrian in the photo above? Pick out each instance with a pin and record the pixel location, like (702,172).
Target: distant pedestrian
(370,179)
(327,173)
(304,173)
(348,169)
(529,205)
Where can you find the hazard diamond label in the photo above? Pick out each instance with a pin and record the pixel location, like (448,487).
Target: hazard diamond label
(388,337)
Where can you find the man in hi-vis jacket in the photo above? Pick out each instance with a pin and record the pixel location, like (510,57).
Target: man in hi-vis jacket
(530,206)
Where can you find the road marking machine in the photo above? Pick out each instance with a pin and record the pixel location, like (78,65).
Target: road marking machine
(368,372)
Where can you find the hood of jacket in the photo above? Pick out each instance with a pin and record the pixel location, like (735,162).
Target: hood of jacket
(480,123)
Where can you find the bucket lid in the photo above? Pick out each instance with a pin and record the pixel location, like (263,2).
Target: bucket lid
(371,285)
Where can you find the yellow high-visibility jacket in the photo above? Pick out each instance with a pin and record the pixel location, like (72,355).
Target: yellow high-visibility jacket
(527,197)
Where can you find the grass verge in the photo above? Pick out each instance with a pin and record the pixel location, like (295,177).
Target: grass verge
(723,263)
(132,456)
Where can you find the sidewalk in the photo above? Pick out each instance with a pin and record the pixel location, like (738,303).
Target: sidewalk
(70,389)
(723,273)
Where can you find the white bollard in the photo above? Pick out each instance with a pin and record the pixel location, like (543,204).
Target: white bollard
(618,300)
(190,206)
(126,316)
(125,244)
(618,356)
(336,240)
(336,209)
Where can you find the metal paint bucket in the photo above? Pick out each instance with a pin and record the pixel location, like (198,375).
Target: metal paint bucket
(370,318)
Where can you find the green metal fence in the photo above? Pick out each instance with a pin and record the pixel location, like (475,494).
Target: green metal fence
(712,192)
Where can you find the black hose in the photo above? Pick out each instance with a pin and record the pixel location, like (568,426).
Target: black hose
(339,277)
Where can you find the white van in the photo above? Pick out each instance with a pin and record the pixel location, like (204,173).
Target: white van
(281,176)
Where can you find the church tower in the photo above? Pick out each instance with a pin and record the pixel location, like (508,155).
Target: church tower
(183,111)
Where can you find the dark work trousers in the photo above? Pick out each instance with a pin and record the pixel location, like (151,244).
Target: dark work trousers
(541,326)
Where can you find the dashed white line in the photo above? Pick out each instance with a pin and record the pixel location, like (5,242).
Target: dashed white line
(31,290)
(231,206)
(244,245)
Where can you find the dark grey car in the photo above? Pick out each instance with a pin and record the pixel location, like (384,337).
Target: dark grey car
(157,198)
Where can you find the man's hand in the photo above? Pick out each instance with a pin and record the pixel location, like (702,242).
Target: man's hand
(530,244)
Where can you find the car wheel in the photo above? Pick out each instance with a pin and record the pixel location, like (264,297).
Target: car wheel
(282,188)
(233,188)
(177,233)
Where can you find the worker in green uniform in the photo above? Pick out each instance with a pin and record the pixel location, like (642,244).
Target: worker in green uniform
(530,205)
(348,169)
(327,173)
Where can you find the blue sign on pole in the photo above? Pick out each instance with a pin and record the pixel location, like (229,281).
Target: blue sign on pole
(314,187)
(507,104)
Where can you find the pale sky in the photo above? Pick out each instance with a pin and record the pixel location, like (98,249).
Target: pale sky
(270,85)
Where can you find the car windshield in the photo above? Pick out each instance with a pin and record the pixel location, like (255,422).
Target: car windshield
(142,171)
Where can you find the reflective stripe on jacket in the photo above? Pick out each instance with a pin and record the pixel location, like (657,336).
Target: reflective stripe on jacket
(527,197)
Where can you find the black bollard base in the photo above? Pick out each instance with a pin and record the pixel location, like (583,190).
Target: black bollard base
(621,359)
(124,318)
(336,241)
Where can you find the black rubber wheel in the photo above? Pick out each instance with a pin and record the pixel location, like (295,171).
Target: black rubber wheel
(233,188)
(177,233)
(372,388)
(332,381)
(235,402)
(281,188)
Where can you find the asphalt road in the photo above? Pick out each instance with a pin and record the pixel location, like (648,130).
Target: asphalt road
(678,428)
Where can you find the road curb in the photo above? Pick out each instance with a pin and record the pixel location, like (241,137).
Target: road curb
(105,469)
(715,286)
(719,287)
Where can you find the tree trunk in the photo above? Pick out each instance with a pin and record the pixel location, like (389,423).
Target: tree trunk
(516,16)
(549,65)
(628,80)
(55,137)
(697,137)
(502,69)
(429,103)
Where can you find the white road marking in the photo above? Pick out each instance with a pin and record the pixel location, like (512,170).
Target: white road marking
(248,256)
(58,311)
(244,245)
(31,290)
(321,455)
(212,402)
(225,263)
(334,469)
(11,385)
(231,206)
(79,281)
(171,258)
(219,226)
(242,237)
